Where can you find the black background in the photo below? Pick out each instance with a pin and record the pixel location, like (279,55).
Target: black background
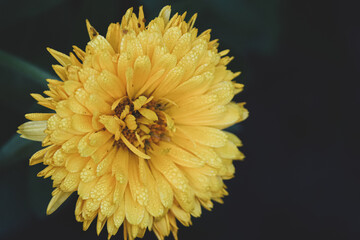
(300,66)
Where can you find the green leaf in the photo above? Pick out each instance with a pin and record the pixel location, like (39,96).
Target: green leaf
(18,79)
(17,149)
(24,68)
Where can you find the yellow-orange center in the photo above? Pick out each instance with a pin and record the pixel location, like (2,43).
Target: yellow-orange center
(143,131)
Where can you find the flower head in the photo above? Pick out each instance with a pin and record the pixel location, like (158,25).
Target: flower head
(136,127)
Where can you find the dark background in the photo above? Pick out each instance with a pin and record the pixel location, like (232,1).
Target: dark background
(300,63)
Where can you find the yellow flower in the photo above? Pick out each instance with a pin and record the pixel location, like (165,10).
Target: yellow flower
(137,125)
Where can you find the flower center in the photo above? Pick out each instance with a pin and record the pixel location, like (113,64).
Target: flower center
(139,123)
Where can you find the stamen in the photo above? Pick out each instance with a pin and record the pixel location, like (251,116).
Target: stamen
(138,103)
(116,103)
(134,149)
(139,140)
(143,121)
(131,122)
(125,112)
(144,128)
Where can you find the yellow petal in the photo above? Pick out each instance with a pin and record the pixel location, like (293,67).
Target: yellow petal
(46,102)
(97,139)
(194,86)
(119,192)
(105,165)
(165,13)
(113,35)
(92,86)
(38,156)
(152,83)
(75,163)
(186,199)
(119,214)
(107,207)
(91,30)
(138,191)
(38,116)
(154,205)
(63,109)
(170,171)
(60,57)
(59,157)
(33,130)
(110,123)
(163,188)
(205,135)
(181,215)
(111,228)
(224,91)
(97,104)
(125,19)
(111,84)
(71,182)
(78,209)
(188,107)
(58,175)
(56,201)
(84,147)
(182,46)
(77,107)
(229,150)
(106,62)
(190,61)
(205,153)
(170,82)
(100,223)
(147,222)
(59,137)
(102,150)
(129,82)
(71,86)
(183,157)
(162,227)
(79,53)
(142,67)
(234,139)
(82,123)
(60,71)
(70,146)
(234,113)
(103,187)
(120,165)
(91,207)
(171,36)
(199,182)
(134,212)
(85,188)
